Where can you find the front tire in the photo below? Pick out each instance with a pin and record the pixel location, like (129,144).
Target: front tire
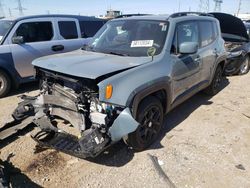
(5,84)
(214,87)
(150,116)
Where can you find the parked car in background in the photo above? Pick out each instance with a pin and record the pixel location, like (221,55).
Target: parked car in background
(247,25)
(136,70)
(26,38)
(236,38)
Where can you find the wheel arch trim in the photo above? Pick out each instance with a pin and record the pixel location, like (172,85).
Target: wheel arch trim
(145,90)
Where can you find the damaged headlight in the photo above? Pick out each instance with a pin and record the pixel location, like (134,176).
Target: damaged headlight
(97,106)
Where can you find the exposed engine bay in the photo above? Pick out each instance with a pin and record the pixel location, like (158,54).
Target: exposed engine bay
(75,102)
(231,46)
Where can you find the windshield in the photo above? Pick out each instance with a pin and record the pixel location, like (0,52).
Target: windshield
(130,38)
(4,27)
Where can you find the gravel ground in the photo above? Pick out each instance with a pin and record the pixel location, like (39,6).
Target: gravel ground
(205,143)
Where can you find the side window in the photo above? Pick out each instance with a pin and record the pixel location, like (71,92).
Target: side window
(216,29)
(185,32)
(68,29)
(89,28)
(35,31)
(207,34)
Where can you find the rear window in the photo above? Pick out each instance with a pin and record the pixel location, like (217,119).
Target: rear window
(35,31)
(68,29)
(89,28)
(207,33)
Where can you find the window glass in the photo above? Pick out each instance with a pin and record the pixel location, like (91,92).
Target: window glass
(5,25)
(89,28)
(68,29)
(216,31)
(207,34)
(185,32)
(35,31)
(131,37)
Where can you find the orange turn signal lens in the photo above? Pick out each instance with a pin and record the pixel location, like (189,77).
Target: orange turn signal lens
(109,91)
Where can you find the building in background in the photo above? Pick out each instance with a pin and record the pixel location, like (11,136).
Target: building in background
(110,14)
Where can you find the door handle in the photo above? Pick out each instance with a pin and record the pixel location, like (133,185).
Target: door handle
(57,48)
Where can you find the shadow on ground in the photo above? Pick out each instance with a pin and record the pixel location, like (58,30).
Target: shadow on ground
(14,177)
(15,136)
(24,88)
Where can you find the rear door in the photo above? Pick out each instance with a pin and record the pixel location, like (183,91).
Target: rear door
(208,48)
(69,34)
(39,37)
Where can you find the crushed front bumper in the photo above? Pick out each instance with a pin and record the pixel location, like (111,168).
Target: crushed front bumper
(90,143)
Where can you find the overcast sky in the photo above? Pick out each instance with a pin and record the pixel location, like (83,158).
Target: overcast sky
(98,7)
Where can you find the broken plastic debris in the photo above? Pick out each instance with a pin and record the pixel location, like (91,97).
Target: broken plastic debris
(240,166)
(160,162)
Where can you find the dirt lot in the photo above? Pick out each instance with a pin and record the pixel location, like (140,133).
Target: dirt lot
(205,143)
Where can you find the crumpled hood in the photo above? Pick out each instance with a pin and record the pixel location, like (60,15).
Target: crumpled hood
(86,64)
(232,28)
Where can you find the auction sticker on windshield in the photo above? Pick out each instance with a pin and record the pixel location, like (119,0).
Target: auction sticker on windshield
(142,43)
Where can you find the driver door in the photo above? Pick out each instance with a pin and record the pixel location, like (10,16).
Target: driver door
(39,39)
(186,69)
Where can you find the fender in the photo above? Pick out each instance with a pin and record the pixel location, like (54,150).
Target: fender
(7,65)
(160,84)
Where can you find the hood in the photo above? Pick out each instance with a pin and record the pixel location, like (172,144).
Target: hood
(86,64)
(232,28)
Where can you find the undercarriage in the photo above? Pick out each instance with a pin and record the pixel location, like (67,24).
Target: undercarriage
(71,118)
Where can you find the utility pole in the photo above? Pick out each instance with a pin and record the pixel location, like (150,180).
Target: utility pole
(10,13)
(217,7)
(20,8)
(239,7)
(204,6)
(179,7)
(1,9)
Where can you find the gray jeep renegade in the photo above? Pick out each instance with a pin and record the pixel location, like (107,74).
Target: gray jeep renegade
(120,87)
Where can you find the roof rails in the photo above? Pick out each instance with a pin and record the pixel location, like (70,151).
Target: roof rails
(129,15)
(179,14)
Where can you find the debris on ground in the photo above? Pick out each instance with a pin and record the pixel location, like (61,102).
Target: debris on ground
(240,166)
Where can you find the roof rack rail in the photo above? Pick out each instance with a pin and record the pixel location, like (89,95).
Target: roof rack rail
(179,14)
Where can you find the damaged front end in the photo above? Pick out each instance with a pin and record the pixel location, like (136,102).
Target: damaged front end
(71,118)
(236,56)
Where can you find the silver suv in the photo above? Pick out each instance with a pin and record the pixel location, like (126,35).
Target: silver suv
(26,38)
(135,71)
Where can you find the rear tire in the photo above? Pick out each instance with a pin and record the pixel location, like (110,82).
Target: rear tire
(245,66)
(150,116)
(5,84)
(214,87)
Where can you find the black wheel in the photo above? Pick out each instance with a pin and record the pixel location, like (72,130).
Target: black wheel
(5,84)
(150,116)
(214,87)
(245,66)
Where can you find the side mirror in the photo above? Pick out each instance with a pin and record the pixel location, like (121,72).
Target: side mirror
(18,40)
(188,47)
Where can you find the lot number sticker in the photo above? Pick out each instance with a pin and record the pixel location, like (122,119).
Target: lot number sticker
(142,43)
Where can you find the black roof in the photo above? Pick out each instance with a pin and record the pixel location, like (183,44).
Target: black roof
(82,18)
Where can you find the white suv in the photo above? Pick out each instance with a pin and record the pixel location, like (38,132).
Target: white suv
(26,38)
